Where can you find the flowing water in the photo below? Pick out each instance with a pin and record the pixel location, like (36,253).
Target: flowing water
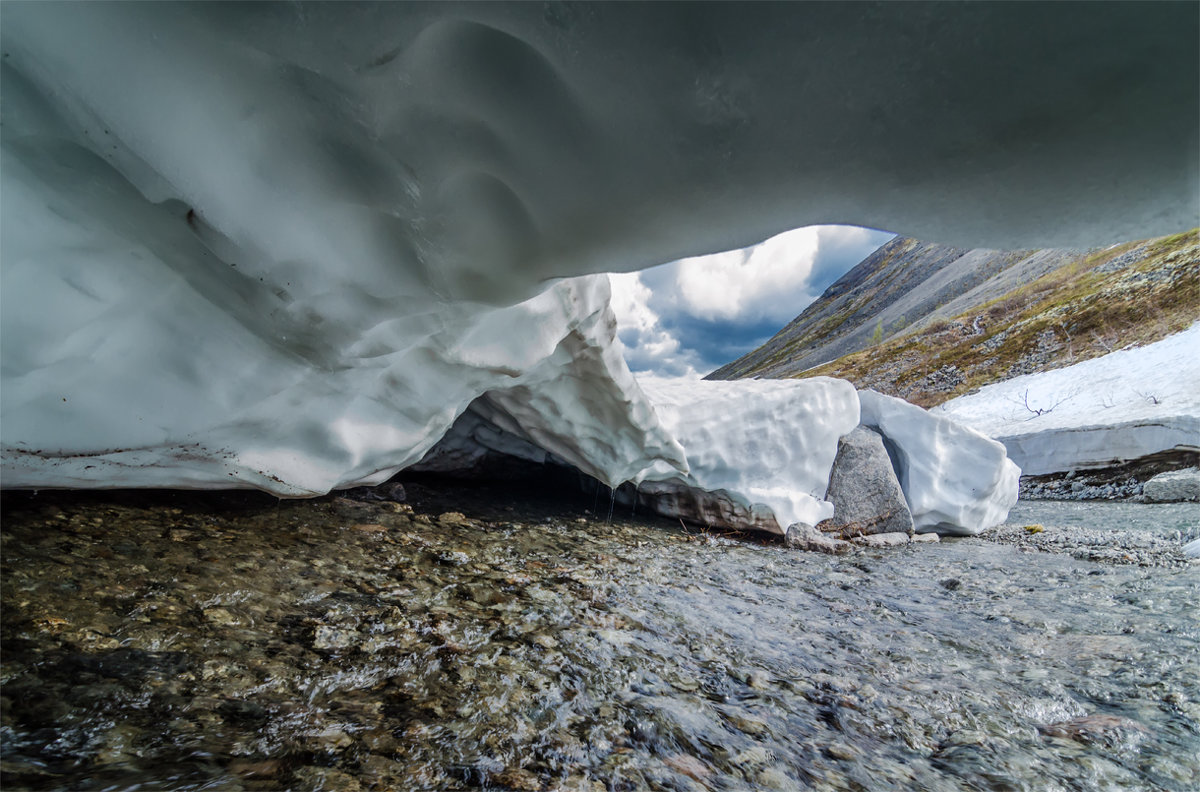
(1177,521)
(219,642)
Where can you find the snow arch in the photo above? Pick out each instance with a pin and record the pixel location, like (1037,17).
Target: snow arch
(284,247)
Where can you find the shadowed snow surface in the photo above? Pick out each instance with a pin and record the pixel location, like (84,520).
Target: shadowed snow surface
(285,246)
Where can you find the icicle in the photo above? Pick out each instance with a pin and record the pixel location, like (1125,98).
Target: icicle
(612,501)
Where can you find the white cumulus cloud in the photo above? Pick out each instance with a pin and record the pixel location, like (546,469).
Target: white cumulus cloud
(751,281)
(649,346)
(696,314)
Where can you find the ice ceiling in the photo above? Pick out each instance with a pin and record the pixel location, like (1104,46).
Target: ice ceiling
(285,245)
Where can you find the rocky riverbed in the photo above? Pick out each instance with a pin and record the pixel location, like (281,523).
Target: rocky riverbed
(479,638)
(1124,482)
(1148,535)
(1068,488)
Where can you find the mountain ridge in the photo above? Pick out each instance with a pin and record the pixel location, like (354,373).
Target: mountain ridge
(928,322)
(837,322)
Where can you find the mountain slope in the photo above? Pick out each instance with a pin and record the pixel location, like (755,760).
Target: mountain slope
(902,281)
(926,322)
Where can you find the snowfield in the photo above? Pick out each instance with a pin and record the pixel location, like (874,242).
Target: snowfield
(287,246)
(1107,410)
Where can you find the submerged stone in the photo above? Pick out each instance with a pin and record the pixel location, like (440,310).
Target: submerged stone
(894,539)
(621,644)
(808,538)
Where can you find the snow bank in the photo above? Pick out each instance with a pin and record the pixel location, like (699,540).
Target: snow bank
(116,405)
(762,448)
(956,481)
(284,246)
(1111,409)
(759,454)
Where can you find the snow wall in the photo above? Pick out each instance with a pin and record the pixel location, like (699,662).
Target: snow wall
(1120,407)
(285,246)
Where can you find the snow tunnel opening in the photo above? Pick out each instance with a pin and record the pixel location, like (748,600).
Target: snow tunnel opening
(690,317)
(485,453)
(523,478)
(738,297)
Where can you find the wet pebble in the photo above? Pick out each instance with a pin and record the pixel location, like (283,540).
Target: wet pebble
(323,644)
(841,751)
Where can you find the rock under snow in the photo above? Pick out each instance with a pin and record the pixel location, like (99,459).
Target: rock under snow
(864,490)
(956,480)
(1173,487)
(781,456)
(1105,411)
(284,246)
(759,452)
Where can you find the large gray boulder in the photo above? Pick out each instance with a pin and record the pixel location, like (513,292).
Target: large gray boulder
(864,490)
(1173,487)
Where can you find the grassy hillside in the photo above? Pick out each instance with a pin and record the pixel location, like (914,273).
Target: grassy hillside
(842,320)
(1093,304)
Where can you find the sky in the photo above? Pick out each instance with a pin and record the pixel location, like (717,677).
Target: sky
(691,316)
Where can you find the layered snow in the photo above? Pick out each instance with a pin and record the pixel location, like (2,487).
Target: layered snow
(285,246)
(759,448)
(116,405)
(956,480)
(1119,407)
(759,454)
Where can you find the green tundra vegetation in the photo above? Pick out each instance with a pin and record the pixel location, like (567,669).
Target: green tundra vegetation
(1127,295)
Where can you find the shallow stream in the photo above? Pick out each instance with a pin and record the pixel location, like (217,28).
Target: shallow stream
(232,642)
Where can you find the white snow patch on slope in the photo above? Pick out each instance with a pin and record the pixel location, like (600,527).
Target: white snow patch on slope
(1109,409)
